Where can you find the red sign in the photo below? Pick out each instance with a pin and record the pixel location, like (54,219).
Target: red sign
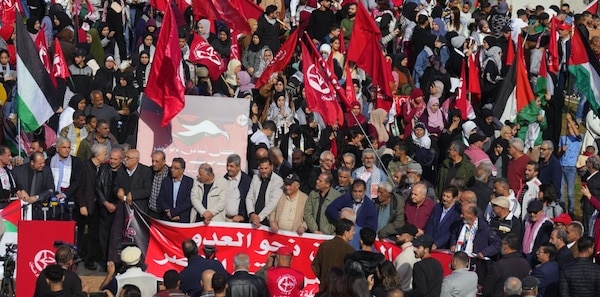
(36,250)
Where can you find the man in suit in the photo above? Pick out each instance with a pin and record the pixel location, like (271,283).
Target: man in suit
(363,206)
(264,194)
(174,196)
(443,216)
(239,185)
(134,184)
(209,196)
(35,183)
(89,205)
(66,172)
(547,272)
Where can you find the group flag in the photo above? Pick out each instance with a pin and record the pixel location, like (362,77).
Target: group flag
(281,59)
(201,52)
(585,67)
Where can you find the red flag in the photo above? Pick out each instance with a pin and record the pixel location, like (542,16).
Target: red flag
(523,91)
(365,51)
(42,47)
(8,13)
(461,95)
(350,94)
(235,46)
(510,52)
(201,52)
(59,65)
(166,84)
(222,10)
(473,83)
(593,7)
(248,8)
(281,60)
(342,44)
(320,94)
(553,46)
(160,5)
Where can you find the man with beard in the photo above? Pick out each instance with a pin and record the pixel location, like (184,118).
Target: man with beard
(100,135)
(348,23)
(301,168)
(106,199)
(239,185)
(296,138)
(405,261)
(320,21)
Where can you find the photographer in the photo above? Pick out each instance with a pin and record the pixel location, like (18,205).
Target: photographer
(71,283)
(133,274)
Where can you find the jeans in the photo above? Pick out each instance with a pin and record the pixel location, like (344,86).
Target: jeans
(568,182)
(581,107)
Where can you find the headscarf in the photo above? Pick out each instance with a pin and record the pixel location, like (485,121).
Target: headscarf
(245,84)
(230,76)
(434,119)
(439,87)
(409,11)
(442,27)
(493,54)
(75,101)
(223,47)
(255,47)
(31,24)
(378,119)
(491,41)
(252,22)
(421,107)
(96,47)
(425,141)
(206,25)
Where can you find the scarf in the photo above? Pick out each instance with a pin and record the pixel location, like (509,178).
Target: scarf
(229,76)
(531,233)
(66,174)
(466,238)
(434,119)
(493,54)
(378,117)
(206,25)
(255,47)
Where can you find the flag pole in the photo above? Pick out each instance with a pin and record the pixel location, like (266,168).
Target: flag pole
(18,136)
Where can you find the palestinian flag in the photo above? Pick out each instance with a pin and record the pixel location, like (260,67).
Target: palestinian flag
(515,92)
(544,84)
(35,93)
(585,67)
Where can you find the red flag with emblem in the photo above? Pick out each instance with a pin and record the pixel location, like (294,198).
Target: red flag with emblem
(350,94)
(248,8)
(461,95)
(235,45)
(320,93)
(223,10)
(553,46)
(166,84)
(201,52)
(42,47)
(59,65)
(281,60)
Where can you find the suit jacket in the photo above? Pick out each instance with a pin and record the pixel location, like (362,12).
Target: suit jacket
(216,199)
(547,273)
(366,216)
(183,204)
(486,241)
(311,212)
(298,213)
(274,192)
(87,194)
(140,185)
(76,177)
(461,282)
(44,185)
(440,230)
(243,187)
(509,265)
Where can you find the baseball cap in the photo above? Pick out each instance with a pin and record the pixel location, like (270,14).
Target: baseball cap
(80,53)
(409,229)
(530,282)
(285,251)
(131,255)
(424,241)
(291,178)
(535,205)
(563,219)
(501,201)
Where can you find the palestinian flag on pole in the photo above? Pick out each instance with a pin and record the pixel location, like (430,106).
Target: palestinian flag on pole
(515,92)
(544,83)
(35,93)
(585,67)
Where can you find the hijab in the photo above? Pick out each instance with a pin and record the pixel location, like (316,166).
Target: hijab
(425,141)
(441,27)
(245,84)
(434,119)
(493,54)
(230,76)
(96,47)
(378,119)
(206,25)
(31,24)
(255,47)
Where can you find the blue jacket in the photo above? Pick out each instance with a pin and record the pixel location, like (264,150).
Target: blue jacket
(547,274)
(183,202)
(551,173)
(366,216)
(440,230)
(191,275)
(486,241)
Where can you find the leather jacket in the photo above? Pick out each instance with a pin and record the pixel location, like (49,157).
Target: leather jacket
(104,185)
(244,284)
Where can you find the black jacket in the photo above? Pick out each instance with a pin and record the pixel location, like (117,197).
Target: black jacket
(269,34)
(139,184)
(580,279)
(104,188)
(244,284)
(509,265)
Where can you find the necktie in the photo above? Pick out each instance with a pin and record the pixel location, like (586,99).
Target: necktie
(33,182)
(262,193)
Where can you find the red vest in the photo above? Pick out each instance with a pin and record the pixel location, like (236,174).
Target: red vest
(284,282)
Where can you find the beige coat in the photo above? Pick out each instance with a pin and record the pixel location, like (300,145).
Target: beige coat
(298,221)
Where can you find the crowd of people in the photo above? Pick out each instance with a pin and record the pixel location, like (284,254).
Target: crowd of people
(412,168)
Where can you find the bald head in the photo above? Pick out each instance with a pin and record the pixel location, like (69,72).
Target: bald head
(468,198)
(207,279)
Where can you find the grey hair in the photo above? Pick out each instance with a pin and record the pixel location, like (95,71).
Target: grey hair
(118,150)
(98,148)
(517,143)
(325,153)
(513,286)
(241,261)
(594,161)
(549,143)
(345,169)
(61,140)
(351,155)
(459,147)
(386,186)
(206,168)
(234,158)
(368,151)
(348,213)
(486,168)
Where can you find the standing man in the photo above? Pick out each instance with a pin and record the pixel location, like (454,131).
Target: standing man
(443,216)
(390,210)
(547,272)
(316,204)
(101,111)
(366,214)
(516,165)
(209,196)
(7,179)
(369,173)
(239,185)
(289,213)
(35,183)
(550,169)
(174,197)
(326,162)
(192,273)
(461,282)
(66,172)
(100,135)
(160,170)
(134,184)
(75,131)
(582,277)
(569,146)
(106,199)
(320,21)
(512,263)
(281,278)
(244,284)
(427,273)
(503,221)
(559,238)
(530,189)
(89,206)
(269,30)
(333,252)
(405,261)
(593,185)
(457,165)
(265,191)
(418,208)
(71,282)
